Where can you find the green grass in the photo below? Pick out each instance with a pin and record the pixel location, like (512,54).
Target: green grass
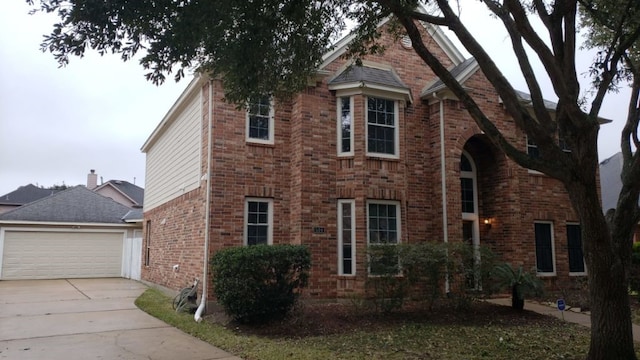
(553,340)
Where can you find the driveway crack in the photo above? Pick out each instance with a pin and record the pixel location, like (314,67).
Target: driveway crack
(75,287)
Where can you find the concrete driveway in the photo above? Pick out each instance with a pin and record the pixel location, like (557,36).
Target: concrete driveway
(88,319)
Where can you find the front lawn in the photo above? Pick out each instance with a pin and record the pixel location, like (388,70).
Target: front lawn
(331,331)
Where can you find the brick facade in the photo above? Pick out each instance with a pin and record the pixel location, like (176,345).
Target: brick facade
(303,175)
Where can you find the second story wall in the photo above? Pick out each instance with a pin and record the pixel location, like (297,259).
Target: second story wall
(174,158)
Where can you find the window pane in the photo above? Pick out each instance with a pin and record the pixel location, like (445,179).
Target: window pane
(381,126)
(574,244)
(544,249)
(466,189)
(383,224)
(345,238)
(259,116)
(257,226)
(345,123)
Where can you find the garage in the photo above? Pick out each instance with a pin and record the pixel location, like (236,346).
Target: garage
(61,254)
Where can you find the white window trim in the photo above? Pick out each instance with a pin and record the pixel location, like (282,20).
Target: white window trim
(269,218)
(399,224)
(268,141)
(396,126)
(352,240)
(553,250)
(339,126)
(571,273)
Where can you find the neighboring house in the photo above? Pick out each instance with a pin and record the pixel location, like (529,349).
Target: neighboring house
(75,233)
(23,195)
(382,153)
(122,191)
(611,184)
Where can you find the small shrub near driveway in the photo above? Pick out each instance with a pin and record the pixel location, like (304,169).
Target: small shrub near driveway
(260,283)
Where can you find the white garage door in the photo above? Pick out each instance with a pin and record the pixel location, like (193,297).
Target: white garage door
(56,255)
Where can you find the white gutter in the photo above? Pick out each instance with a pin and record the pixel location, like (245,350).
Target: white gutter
(443,180)
(203,300)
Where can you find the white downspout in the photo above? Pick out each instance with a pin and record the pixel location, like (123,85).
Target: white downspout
(443,180)
(207,211)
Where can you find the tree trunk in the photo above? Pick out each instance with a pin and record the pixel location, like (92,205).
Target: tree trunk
(608,260)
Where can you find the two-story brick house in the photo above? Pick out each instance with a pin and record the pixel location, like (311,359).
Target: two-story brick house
(378,153)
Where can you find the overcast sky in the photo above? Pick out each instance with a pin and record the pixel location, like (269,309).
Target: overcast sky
(58,123)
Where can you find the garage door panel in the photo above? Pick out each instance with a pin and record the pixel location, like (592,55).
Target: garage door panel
(51,255)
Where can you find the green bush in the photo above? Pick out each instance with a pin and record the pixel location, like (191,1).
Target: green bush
(385,283)
(420,270)
(260,283)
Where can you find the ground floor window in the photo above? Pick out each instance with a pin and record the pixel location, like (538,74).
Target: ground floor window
(258,221)
(383,233)
(545,263)
(574,247)
(346,237)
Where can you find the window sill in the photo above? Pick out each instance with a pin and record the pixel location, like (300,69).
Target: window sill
(576,274)
(374,156)
(546,275)
(264,143)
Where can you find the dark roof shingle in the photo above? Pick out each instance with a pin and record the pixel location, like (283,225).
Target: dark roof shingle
(25,194)
(368,74)
(75,205)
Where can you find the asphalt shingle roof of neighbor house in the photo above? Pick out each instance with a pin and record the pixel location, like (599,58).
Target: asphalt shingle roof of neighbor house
(25,194)
(75,205)
(134,192)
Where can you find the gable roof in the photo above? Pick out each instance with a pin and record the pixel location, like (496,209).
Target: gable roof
(435,32)
(131,191)
(460,72)
(25,194)
(74,205)
(370,76)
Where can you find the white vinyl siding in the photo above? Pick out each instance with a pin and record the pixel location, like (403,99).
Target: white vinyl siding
(173,161)
(61,254)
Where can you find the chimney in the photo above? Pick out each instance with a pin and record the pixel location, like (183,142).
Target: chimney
(92,180)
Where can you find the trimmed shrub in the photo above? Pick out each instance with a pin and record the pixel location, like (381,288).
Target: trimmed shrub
(260,283)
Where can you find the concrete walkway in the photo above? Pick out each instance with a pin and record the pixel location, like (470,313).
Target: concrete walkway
(89,319)
(580,318)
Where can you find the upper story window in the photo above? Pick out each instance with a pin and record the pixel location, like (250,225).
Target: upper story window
(345,125)
(532,149)
(382,127)
(260,120)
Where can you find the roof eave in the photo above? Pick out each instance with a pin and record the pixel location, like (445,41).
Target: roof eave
(404,92)
(61,223)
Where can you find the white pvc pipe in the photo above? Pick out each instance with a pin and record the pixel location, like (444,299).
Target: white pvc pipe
(203,300)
